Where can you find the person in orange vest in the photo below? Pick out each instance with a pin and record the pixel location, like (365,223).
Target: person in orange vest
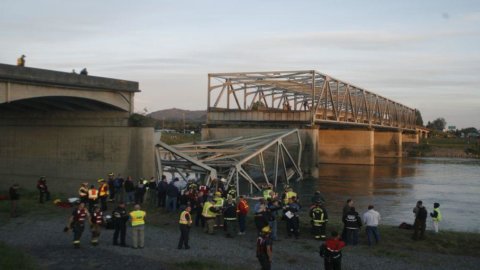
(103,194)
(242,210)
(97,222)
(138,226)
(92,197)
(185,224)
(83,192)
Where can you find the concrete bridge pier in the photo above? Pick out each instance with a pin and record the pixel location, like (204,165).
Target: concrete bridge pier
(346,146)
(388,144)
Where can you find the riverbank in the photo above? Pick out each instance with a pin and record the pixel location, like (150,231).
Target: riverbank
(445,147)
(37,234)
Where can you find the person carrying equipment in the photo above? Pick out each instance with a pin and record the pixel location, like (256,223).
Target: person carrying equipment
(319,220)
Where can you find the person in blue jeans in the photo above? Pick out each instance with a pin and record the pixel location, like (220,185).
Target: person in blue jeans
(172,194)
(371,219)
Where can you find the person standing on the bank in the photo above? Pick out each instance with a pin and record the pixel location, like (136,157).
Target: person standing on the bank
(103,194)
(346,209)
(352,224)
(97,222)
(420,221)
(230,216)
(436,216)
(331,251)
(77,223)
(162,191)
(371,219)
(43,189)
(264,248)
(242,210)
(129,187)
(185,223)
(120,218)
(14,197)
(138,227)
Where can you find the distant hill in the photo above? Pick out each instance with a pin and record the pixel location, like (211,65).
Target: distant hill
(177,114)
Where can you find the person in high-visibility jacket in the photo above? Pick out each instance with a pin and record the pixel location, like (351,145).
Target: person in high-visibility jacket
(436,216)
(137,217)
(185,223)
(319,217)
(83,192)
(289,193)
(267,192)
(103,194)
(219,202)
(209,212)
(92,198)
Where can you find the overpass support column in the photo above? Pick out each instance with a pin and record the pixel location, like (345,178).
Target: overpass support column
(388,143)
(346,146)
(410,138)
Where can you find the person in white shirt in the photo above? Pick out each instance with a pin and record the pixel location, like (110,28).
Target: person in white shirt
(371,219)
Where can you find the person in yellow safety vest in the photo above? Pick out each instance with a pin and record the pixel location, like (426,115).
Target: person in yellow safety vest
(185,224)
(289,194)
(103,194)
(209,212)
(83,192)
(319,220)
(267,192)
(138,226)
(21,61)
(436,216)
(92,198)
(219,202)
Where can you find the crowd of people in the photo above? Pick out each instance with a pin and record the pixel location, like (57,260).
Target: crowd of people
(217,208)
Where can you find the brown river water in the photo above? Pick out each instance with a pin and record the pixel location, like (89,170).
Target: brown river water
(395,185)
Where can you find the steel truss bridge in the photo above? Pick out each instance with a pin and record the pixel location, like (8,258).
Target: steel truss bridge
(309,97)
(268,158)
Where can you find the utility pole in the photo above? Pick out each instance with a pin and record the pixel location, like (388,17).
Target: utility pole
(183,122)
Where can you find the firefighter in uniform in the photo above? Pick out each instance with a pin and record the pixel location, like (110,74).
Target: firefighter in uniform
(76,222)
(319,220)
(264,248)
(185,223)
(92,198)
(97,222)
(219,202)
(103,194)
(209,213)
(331,251)
(83,193)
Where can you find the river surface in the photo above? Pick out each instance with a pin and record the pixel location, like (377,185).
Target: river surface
(395,185)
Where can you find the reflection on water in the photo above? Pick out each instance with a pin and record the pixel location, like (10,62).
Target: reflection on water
(394,186)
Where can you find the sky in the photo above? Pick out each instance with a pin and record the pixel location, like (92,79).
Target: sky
(423,54)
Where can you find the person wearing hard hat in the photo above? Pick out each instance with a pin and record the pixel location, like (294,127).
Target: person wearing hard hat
(264,248)
(219,202)
(103,194)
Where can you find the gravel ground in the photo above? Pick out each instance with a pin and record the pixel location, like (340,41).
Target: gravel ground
(43,239)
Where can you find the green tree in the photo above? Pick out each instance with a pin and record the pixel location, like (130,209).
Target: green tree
(418,118)
(437,124)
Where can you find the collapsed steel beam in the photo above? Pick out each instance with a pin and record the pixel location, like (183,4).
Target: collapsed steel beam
(233,158)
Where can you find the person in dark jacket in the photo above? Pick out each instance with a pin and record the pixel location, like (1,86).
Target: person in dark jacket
(352,223)
(291,216)
(140,192)
(172,194)
(230,217)
(43,189)
(162,191)
(420,221)
(14,197)
(273,208)
(130,190)
(260,215)
(120,218)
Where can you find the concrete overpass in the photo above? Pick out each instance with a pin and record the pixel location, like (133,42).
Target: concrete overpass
(340,122)
(69,127)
